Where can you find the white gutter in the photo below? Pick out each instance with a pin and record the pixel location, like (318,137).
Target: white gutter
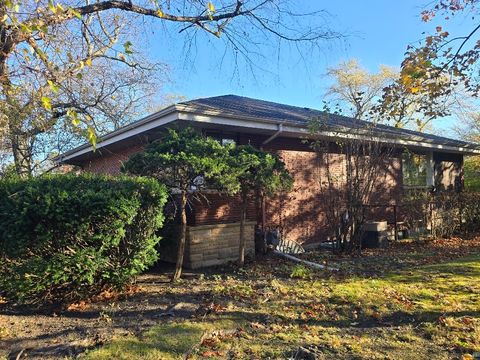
(297,130)
(187,113)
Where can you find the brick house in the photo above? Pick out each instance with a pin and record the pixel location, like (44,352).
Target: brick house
(213,227)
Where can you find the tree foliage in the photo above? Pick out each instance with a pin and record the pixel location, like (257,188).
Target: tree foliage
(187,163)
(442,62)
(260,173)
(185,160)
(49,50)
(470,131)
(382,97)
(356,89)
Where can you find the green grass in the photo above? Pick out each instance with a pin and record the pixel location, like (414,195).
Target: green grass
(472,184)
(428,311)
(167,341)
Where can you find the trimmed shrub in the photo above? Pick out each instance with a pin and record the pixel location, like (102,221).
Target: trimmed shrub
(67,237)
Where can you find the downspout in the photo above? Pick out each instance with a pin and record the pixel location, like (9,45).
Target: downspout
(264,215)
(430,169)
(278,132)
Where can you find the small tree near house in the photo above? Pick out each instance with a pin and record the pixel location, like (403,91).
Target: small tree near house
(365,163)
(186,162)
(261,173)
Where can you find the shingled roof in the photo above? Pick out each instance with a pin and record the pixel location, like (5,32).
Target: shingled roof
(253,114)
(244,107)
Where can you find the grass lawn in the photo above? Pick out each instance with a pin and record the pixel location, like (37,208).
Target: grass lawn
(413,302)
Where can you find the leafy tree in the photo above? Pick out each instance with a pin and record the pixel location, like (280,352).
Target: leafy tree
(357,89)
(261,173)
(47,48)
(106,97)
(405,106)
(380,97)
(470,131)
(187,163)
(7,171)
(442,62)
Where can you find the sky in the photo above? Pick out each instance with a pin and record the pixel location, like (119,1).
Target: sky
(375,32)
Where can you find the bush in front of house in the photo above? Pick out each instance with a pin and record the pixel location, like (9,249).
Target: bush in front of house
(453,213)
(470,210)
(66,237)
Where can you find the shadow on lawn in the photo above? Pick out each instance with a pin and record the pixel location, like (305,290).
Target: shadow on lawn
(393,320)
(149,308)
(27,347)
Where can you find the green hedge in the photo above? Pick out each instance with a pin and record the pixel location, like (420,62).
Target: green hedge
(67,237)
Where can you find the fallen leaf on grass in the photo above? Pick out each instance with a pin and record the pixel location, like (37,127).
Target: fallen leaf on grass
(257,325)
(211,353)
(467,320)
(210,342)
(80,306)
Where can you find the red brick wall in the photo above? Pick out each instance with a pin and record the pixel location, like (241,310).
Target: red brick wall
(209,209)
(110,161)
(301,213)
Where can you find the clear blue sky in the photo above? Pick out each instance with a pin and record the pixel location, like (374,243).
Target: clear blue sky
(378,32)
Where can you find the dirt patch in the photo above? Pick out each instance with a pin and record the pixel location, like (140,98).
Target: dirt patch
(57,333)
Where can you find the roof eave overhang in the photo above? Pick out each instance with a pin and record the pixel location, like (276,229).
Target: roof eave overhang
(150,122)
(340,133)
(186,113)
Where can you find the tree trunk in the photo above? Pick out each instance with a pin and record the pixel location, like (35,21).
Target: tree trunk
(22,155)
(241,247)
(183,235)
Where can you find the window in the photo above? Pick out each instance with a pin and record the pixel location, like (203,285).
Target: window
(228,141)
(414,169)
(223,138)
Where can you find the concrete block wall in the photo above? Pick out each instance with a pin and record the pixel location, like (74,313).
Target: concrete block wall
(209,245)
